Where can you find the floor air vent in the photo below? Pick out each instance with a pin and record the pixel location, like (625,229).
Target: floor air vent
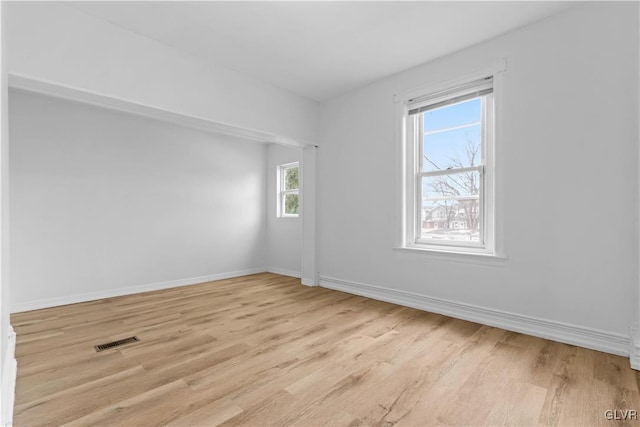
(114,344)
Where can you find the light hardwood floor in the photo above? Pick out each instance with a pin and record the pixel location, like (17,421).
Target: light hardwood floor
(265,350)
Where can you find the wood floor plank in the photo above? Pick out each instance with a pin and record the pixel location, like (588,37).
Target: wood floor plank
(210,415)
(74,372)
(154,407)
(517,404)
(264,350)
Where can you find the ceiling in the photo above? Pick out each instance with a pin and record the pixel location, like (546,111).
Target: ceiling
(320,49)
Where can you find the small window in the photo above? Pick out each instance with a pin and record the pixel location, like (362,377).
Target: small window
(449,168)
(288,190)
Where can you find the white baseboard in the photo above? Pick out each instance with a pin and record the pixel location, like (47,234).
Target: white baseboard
(9,372)
(309,281)
(110,293)
(556,331)
(284,272)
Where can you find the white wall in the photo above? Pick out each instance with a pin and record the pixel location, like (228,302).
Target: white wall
(7,336)
(4,175)
(103,202)
(284,235)
(568,149)
(59,44)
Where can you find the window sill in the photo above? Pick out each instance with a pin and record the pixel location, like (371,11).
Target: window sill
(452,255)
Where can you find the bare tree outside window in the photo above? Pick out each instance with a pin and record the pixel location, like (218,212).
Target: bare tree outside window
(451,199)
(466,184)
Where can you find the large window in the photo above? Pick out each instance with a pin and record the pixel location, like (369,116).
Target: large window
(288,190)
(450,169)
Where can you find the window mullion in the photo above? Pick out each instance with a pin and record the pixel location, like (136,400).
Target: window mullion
(452,171)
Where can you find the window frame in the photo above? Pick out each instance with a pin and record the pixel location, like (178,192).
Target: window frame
(282,192)
(411,192)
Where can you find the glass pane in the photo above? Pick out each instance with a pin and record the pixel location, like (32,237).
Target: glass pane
(451,207)
(452,136)
(291,178)
(453,115)
(291,204)
(457,148)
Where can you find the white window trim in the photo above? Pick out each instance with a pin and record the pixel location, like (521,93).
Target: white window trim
(280,213)
(414,196)
(407,196)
